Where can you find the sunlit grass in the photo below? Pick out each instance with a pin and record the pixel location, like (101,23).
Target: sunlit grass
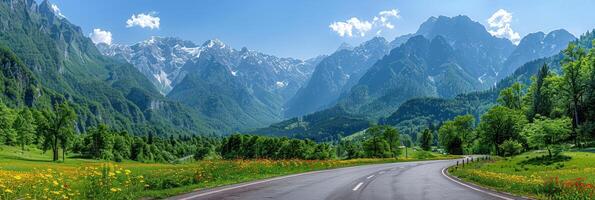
(92,179)
(571,176)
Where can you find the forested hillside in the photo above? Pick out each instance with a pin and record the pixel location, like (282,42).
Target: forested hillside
(475,103)
(67,67)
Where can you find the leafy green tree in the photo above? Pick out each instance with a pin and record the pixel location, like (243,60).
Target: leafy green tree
(232,147)
(122,147)
(25,127)
(426,140)
(575,73)
(500,124)
(458,134)
(548,133)
(383,142)
(323,152)
(392,136)
(377,147)
(512,97)
(511,147)
(100,143)
(406,140)
(7,133)
(350,149)
(57,126)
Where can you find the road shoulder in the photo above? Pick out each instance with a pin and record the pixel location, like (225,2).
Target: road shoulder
(489,191)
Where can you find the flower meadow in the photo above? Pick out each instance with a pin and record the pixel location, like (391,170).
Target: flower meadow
(83,179)
(107,181)
(570,179)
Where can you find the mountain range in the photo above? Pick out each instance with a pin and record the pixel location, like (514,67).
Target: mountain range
(446,57)
(169,85)
(251,86)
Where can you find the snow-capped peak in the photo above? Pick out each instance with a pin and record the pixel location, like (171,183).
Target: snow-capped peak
(151,41)
(214,43)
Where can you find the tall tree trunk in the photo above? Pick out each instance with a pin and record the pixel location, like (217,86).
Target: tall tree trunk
(55,149)
(575,121)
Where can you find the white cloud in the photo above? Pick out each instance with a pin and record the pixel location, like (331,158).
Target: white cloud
(57,11)
(361,27)
(101,36)
(384,18)
(346,28)
(499,24)
(148,20)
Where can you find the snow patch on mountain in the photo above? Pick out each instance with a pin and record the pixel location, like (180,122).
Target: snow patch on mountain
(162,59)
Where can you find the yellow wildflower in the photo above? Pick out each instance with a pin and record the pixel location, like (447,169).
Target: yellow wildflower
(8,191)
(55,183)
(113,190)
(17,177)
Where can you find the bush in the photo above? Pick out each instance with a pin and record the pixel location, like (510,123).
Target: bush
(511,147)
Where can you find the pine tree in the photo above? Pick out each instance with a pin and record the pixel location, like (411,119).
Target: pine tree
(541,101)
(25,127)
(7,132)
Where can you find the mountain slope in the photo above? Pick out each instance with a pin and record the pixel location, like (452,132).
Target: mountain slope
(68,66)
(418,68)
(251,86)
(161,59)
(475,103)
(535,46)
(480,53)
(335,75)
(446,61)
(327,125)
(213,91)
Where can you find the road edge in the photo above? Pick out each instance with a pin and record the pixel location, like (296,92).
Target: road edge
(478,188)
(208,191)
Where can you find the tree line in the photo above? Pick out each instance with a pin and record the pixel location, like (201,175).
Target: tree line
(53,130)
(554,111)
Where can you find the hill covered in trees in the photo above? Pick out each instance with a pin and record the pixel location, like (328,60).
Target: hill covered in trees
(54,62)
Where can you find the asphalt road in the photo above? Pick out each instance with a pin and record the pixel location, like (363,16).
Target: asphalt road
(409,180)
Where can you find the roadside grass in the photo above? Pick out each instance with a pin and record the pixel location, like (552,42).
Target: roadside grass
(568,176)
(31,175)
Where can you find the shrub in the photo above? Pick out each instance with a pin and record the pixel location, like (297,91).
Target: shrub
(511,147)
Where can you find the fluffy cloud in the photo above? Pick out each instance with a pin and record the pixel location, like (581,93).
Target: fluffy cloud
(346,28)
(101,36)
(499,24)
(148,20)
(361,27)
(57,11)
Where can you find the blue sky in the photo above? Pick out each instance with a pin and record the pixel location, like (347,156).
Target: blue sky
(300,29)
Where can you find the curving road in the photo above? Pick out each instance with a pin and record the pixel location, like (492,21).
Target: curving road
(408,180)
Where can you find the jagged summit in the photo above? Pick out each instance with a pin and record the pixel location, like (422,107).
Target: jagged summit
(214,43)
(344,46)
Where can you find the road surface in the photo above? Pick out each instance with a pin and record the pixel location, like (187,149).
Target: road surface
(407,180)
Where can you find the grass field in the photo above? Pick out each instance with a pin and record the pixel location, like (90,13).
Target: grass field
(30,175)
(533,174)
